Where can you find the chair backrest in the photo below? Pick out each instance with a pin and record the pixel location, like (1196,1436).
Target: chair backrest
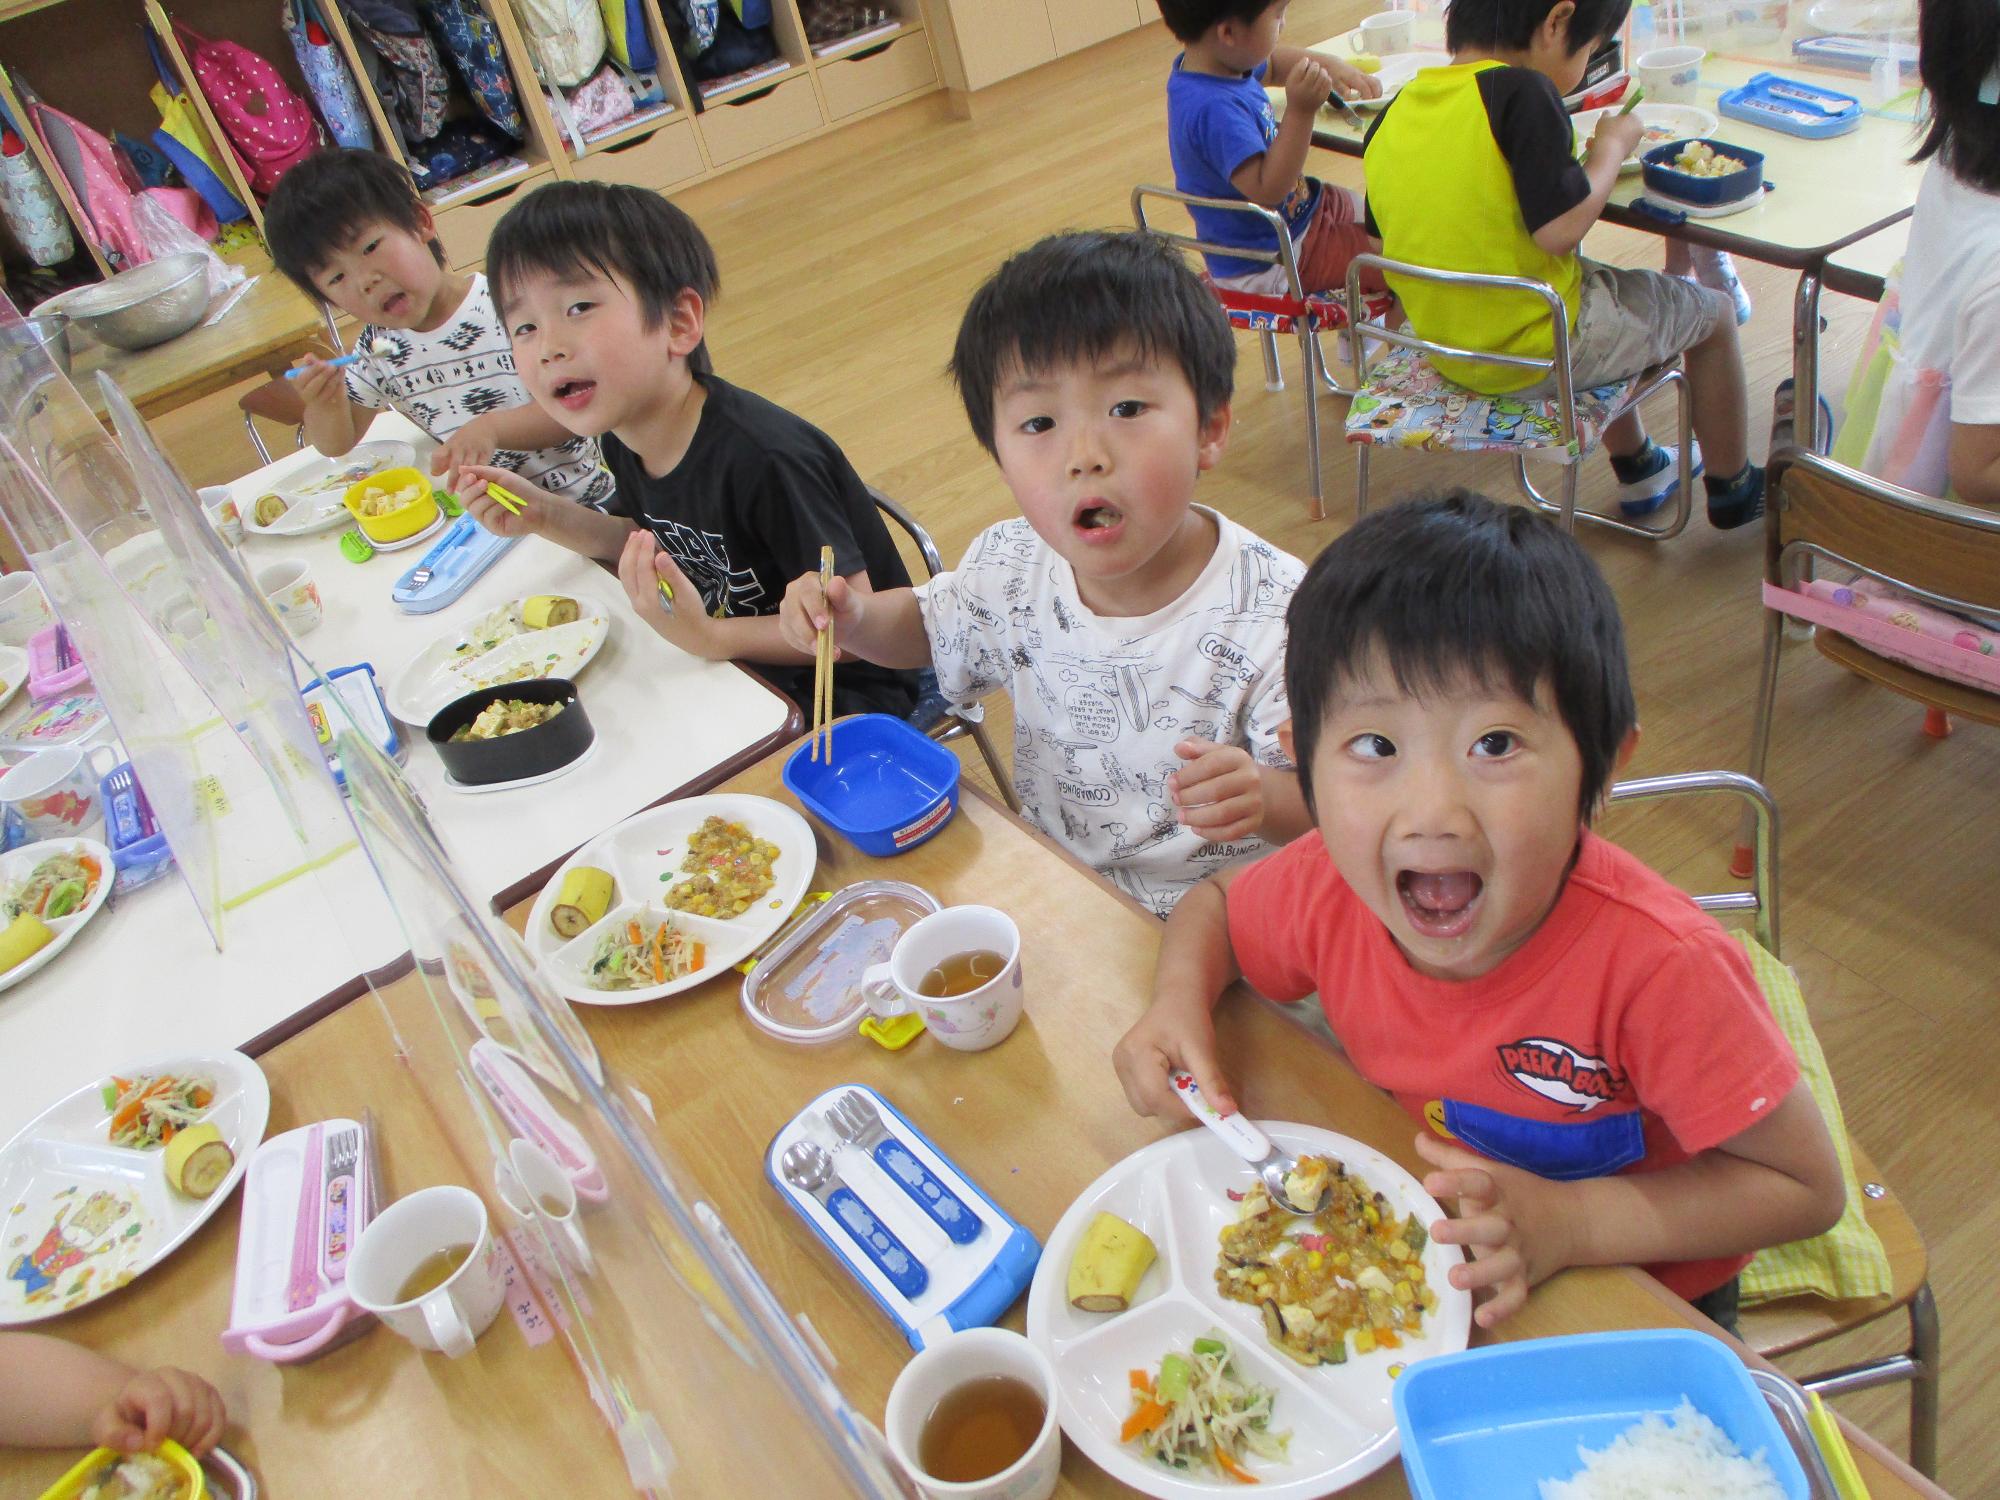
(1368,333)
(1761,900)
(912,528)
(1283,253)
(1941,550)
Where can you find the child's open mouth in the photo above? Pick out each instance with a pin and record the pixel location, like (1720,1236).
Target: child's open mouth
(575,394)
(1099,520)
(1439,903)
(396,305)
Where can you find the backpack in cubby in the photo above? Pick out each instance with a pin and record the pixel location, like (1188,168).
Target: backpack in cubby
(566,36)
(329,82)
(270,128)
(472,42)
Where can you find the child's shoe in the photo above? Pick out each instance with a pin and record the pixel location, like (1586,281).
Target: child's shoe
(1647,479)
(1736,501)
(1714,269)
(1784,430)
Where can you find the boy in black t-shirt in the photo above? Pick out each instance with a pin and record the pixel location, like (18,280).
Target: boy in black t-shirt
(721,495)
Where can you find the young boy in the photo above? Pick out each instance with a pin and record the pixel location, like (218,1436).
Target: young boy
(54,1394)
(1227,144)
(1470,168)
(349,228)
(1141,636)
(720,496)
(1596,1075)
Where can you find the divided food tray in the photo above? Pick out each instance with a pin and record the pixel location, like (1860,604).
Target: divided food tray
(967,1285)
(260,1322)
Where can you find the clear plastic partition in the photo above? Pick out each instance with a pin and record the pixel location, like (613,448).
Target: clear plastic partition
(1869,43)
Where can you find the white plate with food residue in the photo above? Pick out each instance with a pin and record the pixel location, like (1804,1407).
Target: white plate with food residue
(493,646)
(306,498)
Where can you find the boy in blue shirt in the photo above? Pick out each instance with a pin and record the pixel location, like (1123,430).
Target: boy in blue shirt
(1226,143)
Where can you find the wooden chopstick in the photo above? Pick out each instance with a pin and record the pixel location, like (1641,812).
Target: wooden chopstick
(822,728)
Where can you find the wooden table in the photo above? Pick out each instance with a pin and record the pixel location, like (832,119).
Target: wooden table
(1033,1121)
(272,325)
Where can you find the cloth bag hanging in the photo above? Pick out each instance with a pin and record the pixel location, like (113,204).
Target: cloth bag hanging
(472,42)
(327,78)
(417,86)
(28,201)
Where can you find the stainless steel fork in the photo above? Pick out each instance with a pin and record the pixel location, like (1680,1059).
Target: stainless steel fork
(856,1120)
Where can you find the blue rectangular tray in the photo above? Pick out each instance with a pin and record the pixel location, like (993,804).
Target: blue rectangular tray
(1495,1422)
(1786,104)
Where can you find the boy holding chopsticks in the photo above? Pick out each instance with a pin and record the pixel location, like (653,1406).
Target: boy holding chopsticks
(721,497)
(1141,635)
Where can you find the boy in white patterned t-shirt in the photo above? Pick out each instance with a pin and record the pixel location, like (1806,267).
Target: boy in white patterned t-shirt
(1141,636)
(349,229)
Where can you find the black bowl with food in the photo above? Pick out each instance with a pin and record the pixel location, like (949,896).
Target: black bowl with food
(511,731)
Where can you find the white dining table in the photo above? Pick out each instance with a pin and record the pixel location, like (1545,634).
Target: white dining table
(146,979)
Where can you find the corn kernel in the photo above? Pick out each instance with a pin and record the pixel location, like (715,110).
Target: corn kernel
(1405,1293)
(1399,1249)
(1314,1260)
(1370,1216)
(1364,1341)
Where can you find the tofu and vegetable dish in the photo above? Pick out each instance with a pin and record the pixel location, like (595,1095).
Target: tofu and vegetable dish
(729,869)
(505,716)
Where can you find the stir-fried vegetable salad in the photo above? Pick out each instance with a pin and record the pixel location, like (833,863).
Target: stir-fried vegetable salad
(1197,1411)
(149,1111)
(57,887)
(628,958)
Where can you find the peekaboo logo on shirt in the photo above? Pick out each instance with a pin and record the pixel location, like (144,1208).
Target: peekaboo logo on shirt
(1560,1073)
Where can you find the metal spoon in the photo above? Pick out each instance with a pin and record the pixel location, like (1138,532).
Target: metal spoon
(1247,1141)
(808,1168)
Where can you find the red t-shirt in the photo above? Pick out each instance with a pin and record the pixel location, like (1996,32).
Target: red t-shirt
(1627,1033)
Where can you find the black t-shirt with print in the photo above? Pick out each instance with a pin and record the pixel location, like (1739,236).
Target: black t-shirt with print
(746,511)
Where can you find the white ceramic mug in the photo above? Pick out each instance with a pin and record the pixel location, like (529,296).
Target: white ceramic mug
(1382,34)
(24,609)
(292,593)
(449,1318)
(219,505)
(1670,75)
(944,1366)
(539,1192)
(971,1022)
(55,792)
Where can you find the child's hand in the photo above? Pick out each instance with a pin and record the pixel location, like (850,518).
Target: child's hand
(1350,82)
(1171,1035)
(469,445)
(642,568)
(1308,84)
(323,385)
(155,1405)
(469,482)
(1616,137)
(1512,1221)
(805,611)
(1219,793)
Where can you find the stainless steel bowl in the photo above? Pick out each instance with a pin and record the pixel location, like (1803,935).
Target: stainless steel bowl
(139,308)
(48,332)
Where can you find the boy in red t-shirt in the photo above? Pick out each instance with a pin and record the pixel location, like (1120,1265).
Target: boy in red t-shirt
(1598,1076)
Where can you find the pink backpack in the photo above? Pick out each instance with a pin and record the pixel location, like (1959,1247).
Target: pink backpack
(270,128)
(102,182)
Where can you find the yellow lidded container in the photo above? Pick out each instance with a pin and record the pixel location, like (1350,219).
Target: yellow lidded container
(72,1484)
(405,520)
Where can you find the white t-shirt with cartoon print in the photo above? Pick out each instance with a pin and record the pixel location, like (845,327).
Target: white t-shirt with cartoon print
(443,379)
(1101,701)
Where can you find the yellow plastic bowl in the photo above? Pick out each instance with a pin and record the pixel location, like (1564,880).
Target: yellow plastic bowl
(71,1484)
(405,520)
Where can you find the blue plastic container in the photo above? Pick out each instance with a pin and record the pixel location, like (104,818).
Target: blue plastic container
(887,788)
(1661,175)
(1495,1422)
(139,851)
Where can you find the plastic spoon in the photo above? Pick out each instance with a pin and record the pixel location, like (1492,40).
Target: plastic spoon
(1244,1138)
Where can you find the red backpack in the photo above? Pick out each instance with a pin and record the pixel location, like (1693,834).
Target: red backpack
(270,128)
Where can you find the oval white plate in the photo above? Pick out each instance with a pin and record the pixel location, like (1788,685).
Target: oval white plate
(643,855)
(1676,122)
(1342,1423)
(313,492)
(97,1215)
(13,672)
(435,676)
(16,865)
(1397,69)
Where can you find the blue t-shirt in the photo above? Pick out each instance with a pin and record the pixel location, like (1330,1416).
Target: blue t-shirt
(1215,125)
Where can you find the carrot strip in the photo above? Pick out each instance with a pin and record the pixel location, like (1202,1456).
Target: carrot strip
(1139,1380)
(1235,1470)
(1144,1419)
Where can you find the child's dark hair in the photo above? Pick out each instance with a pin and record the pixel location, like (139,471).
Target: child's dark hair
(325,200)
(1453,586)
(1084,296)
(1494,24)
(1958,57)
(1191,20)
(579,228)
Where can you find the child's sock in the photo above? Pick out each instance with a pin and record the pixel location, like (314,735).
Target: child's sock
(1737,500)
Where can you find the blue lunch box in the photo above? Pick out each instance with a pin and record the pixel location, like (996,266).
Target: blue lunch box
(1661,175)
(886,789)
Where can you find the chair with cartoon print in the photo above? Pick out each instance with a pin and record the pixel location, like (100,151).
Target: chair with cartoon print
(1295,312)
(952,724)
(1797,1297)
(1401,401)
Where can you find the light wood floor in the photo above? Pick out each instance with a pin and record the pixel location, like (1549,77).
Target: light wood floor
(845,266)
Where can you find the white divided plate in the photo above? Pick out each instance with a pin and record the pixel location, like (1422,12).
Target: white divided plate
(1397,69)
(438,674)
(13,672)
(16,865)
(80,1217)
(643,855)
(1663,122)
(313,493)
(1342,1423)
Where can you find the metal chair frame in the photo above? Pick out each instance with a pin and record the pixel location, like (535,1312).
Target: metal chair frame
(954,725)
(1570,453)
(1921,1363)
(1312,358)
(250,418)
